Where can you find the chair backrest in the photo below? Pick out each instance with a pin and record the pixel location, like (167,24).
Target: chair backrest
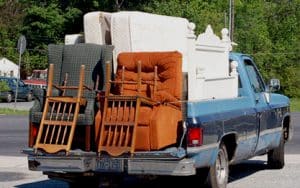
(67,59)
(169,74)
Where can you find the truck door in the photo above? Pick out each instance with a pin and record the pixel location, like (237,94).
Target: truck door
(261,104)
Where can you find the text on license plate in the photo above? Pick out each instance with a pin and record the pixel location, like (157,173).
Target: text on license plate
(110,165)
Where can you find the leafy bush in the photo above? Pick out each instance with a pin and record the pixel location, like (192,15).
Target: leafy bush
(3,86)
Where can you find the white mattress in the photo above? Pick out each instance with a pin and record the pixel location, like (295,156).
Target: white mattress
(74,39)
(139,31)
(97,27)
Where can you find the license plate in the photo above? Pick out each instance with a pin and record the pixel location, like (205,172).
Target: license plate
(110,165)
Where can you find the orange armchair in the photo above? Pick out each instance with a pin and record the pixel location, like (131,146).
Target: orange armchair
(161,81)
(142,111)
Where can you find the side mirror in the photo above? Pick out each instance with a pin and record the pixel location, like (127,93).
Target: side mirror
(274,85)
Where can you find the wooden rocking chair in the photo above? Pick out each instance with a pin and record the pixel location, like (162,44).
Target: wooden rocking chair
(60,114)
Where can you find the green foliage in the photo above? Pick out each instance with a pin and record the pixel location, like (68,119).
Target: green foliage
(11,18)
(267,30)
(270,32)
(43,25)
(199,12)
(295,104)
(3,86)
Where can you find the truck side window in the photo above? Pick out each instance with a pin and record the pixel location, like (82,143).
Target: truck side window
(254,77)
(21,83)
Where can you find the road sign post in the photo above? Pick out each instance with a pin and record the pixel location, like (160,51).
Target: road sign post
(21,49)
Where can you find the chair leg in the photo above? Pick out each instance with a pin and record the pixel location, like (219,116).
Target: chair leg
(87,137)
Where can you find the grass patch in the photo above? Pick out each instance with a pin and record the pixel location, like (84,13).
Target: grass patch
(9,111)
(295,104)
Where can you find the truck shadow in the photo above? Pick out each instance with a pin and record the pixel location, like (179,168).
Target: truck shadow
(246,168)
(237,171)
(45,183)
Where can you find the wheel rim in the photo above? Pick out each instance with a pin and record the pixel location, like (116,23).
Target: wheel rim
(9,97)
(29,97)
(221,168)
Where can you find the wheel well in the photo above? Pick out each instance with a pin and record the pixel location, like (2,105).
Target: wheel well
(230,143)
(286,126)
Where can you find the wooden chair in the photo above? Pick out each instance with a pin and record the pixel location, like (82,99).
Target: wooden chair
(67,60)
(60,114)
(120,117)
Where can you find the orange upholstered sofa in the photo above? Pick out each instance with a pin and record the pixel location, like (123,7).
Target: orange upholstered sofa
(161,81)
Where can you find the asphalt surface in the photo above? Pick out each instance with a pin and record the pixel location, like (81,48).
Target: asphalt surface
(251,173)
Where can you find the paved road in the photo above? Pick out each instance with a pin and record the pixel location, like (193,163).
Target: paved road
(20,105)
(251,173)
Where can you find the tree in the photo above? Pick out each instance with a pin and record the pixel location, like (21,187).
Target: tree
(284,28)
(200,12)
(3,86)
(266,29)
(11,18)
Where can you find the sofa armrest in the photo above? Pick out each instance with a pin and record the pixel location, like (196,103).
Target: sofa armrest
(38,104)
(39,97)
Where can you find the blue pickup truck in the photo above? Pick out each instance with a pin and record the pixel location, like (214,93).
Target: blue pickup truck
(215,133)
(189,112)
(256,122)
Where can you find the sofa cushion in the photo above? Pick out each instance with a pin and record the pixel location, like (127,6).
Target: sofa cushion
(169,75)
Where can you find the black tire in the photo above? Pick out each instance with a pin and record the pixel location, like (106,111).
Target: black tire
(29,97)
(276,155)
(201,176)
(218,172)
(8,97)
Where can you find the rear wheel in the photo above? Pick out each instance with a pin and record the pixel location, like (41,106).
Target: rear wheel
(276,156)
(29,97)
(202,175)
(8,97)
(218,173)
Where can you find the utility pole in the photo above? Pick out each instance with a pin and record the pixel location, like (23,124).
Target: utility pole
(225,19)
(231,19)
(21,48)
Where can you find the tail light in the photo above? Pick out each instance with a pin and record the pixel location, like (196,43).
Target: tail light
(195,136)
(33,132)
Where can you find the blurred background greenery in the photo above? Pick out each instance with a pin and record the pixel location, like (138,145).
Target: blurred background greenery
(269,30)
